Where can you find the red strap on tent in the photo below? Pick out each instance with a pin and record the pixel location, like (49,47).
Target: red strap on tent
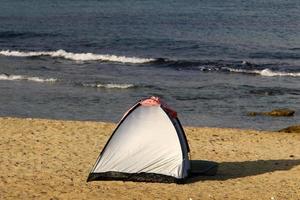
(152,101)
(171,112)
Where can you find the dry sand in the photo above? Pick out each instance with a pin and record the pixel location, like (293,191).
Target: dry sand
(49,159)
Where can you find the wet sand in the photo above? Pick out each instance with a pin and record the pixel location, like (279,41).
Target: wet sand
(51,159)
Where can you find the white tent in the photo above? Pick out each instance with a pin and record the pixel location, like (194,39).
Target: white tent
(148,144)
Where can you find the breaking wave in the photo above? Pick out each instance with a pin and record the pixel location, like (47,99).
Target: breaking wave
(266,69)
(264,72)
(108,85)
(77,56)
(8,77)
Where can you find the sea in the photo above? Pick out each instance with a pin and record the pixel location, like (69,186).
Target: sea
(213,61)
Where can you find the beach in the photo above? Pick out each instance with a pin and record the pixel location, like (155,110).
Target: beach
(70,69)
(51,159)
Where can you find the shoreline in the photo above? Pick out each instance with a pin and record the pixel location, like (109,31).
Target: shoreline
(117,121)
(43,158)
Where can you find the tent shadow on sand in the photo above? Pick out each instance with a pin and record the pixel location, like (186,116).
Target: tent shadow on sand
(232,170)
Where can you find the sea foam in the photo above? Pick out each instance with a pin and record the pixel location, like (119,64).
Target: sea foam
(264,72)
(108,85)
(77,56)
(7,77)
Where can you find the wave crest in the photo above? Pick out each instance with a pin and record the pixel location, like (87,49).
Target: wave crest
(108,85)
(264,72)
(77,56)
(8,77)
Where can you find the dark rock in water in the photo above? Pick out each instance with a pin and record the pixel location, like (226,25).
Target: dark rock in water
(281,113)
(275,113)
(291,129)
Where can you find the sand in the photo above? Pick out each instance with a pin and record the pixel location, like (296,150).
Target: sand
(50,159)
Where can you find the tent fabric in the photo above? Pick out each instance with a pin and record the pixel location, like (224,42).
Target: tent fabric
(148,144)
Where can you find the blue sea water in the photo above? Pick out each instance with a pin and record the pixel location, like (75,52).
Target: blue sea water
(211,60)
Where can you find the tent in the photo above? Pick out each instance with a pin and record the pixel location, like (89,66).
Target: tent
(149,144)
